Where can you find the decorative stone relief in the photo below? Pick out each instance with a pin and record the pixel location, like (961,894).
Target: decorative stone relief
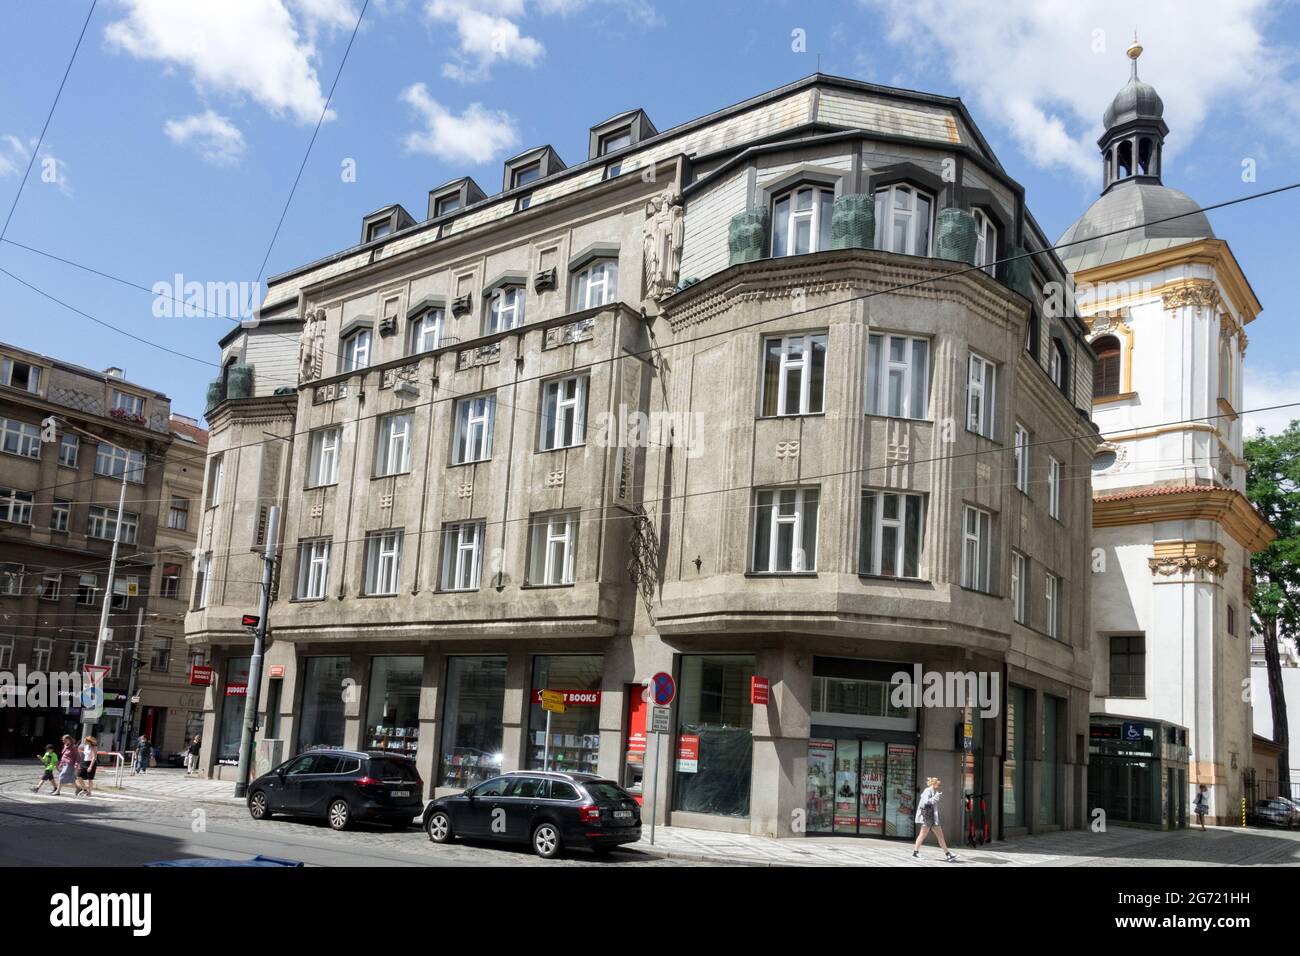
(317,510)
(787,450)
(1194,292)
(1169,566)
(311,346)
(555,479)
(898,448)
(661,245)
(983,471)
(392,376)
(465,489)
(483,355)
(625,474)
(324,394)
(385,501)
(580,331)
(1107,322)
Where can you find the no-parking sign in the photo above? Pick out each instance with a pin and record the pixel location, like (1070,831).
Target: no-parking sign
(664,688)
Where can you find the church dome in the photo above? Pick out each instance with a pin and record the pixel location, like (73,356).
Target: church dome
(1135,101)
(1129,204)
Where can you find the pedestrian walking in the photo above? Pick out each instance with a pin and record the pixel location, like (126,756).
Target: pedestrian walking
(49,760)
(86,771)
(927,815)
(1201,805)
(67,764)
(143,751)
(192,755)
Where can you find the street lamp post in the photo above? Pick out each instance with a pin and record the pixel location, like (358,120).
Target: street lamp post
(252,690)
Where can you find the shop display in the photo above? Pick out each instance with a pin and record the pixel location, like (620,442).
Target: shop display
(401,740)
(821,763)
(900,802)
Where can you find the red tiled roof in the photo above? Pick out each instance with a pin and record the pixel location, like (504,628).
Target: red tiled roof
(1156,491)
(185,430)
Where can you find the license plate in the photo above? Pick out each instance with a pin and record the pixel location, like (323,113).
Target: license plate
(401,793)
(622,814)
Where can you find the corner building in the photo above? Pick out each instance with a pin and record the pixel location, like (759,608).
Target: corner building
(749,398)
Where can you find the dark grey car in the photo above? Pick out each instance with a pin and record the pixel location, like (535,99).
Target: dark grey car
(343,786)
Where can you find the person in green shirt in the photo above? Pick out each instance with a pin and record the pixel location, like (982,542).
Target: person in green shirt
(49,760)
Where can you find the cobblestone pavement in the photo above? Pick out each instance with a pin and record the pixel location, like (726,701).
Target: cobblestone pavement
(167,805)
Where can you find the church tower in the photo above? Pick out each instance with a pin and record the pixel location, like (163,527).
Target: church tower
(1168,306)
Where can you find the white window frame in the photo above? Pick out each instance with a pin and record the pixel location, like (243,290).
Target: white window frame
(33,376)
(977,549)
(51,585)
(203,581)
(61,515)
(16,506)
(886,214)
(111,459)
(216,471)
(797,354)
(563,414)
(1053,606)
(122,589)
(425,333)
(785,225)
(383,563)
(986,241)
(11,579)
(313,569)
(769,505)
(126,402)
(356,350)
(104,520)
(393,444)
(981,395)
(90,584)
(1019,578)
(78,655)
(475,417)
(552,553)
(1020,457)
(42,651)
(882,369)
(69,442)
(898,525)
(595,285)
(323,457)
(24,438)
(462,555)
(1054,488)
(507,307)
(1054,366)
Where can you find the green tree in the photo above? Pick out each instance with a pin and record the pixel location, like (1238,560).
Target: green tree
(1273,484)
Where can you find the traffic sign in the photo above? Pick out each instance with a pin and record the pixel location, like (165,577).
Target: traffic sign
(664,688)
(659,722)
(553,701)
(249,620)
(1133,731)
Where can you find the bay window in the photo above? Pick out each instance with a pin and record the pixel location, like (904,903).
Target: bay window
(794,374)
(893,529)
(898,376)
(977,549)
(904,216)
(801,220)
(785,530)
(981,380)
(553,549)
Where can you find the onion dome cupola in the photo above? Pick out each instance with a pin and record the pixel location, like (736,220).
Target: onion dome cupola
(1132,146)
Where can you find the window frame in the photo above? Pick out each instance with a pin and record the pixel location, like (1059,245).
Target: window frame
(881,369)
(986,238)
(16,506)
(354,356)
(805,365)
(26,438)
(313,569)
(318,453)
(462,559)
(983,391)
(562,413)
(543,548)
(418,328)
(383,549)
(1052,605)
(885,222)
(977,562)
(130,520)
(64,445)
(61,506)
(1020,457)
(497,307)
(132,461)
(390,444)
(769,501)
(818,217)
(472,432)
(1019,594)
(216,473)
(7,367)
(584,281)
(1054,487)
(1128,655)
(875,554)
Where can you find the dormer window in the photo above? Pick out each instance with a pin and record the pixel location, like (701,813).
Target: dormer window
(986,241)
(446,205)
(801,220)
(525,175)
(904,219)
(378,230)
(127,404)
(21,375)
(595,285)
(619,139)
(356,351)
(506,308)
(425,333)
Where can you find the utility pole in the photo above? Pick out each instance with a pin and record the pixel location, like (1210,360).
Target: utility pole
(254,687)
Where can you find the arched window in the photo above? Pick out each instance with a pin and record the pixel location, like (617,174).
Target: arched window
(986,241)
(1144,156)
(1110,166)
(904,216)
(1125,160)
(1225,370)
(801,220)
(1105,374)
(1058,366)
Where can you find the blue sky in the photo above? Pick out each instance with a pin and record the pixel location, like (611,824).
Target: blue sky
(182,126)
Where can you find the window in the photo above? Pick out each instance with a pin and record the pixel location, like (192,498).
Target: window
(1058,365)
(1020,456)
(15,506)
(801,221)
(203,581)
(1232,621)
(19,438)
(110,461)
(425,332)
(506,309)
(977,549)
(903,220)
(102,523)
(128,403)
(216,469)
(785,530)
(6,653)
(980,394)
(11,580)
(1105,374)
(1019,572)
(323,464)
(78,655)
(169,585)
(794,374)
(87,590)
(1054,488)
(1053,605)
(613,170)
(893,529)
(313,569)
(553,548)
(596,285)
(393,444)
(21,375)
(60,515)
(526,174)
(1128,666)
(473,441)
(42,649)
(377,230)
(986,241)
(69,445)
(122,588)
(356,351)
(1225,370)
(564,412)
(462,555)
(160,661)
(612,142)
(898,376)
(49,587)
(178,513)
(383,562)
(446,205)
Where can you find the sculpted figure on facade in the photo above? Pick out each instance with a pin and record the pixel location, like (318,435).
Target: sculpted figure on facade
(662,245)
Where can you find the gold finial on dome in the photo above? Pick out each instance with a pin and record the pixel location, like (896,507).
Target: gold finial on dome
(1134,51)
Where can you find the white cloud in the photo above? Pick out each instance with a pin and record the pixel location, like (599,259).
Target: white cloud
(1046,69)
(237,48)
(213,137)
(487,35)
(329,15)
(1266,388)
(13,155)
(475,136)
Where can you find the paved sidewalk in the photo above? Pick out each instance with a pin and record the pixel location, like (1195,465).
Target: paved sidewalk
(165,783)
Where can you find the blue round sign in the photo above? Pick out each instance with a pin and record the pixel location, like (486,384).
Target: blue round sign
(665,688)
(92,698)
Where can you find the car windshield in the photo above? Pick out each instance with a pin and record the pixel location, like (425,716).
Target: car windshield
(606,791)
(387,768)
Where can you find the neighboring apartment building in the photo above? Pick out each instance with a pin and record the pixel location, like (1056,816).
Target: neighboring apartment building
(58,518)
(1266,783)
(1167,305)
(750,401)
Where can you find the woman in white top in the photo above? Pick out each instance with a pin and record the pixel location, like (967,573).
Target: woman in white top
(86,773)
(927,815)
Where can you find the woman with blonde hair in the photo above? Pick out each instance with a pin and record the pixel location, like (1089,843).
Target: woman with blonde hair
(927,815)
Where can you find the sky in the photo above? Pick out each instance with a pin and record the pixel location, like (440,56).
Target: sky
(182,126)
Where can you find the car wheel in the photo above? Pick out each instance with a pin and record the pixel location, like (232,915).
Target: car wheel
(339,815)
(546,841)
(258,807)
(439,827)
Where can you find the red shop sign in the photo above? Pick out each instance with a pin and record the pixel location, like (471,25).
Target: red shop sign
(572,698)
(236,690)
(200,675)
(758,690)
